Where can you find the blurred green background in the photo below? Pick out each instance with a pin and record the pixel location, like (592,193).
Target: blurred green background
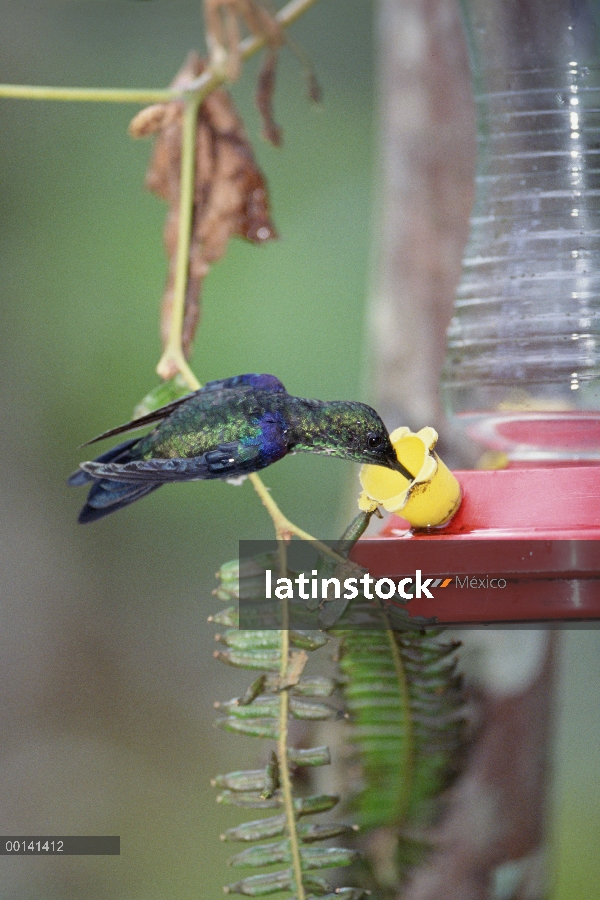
(107,678)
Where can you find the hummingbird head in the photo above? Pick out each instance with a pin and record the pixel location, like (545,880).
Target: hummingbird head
(354,431)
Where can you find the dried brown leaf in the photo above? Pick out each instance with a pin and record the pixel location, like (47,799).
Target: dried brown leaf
(149,120)
(264,99)
(230,192)
(223,20)
(296,666)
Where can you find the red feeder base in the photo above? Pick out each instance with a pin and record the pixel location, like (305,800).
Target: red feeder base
(536,528)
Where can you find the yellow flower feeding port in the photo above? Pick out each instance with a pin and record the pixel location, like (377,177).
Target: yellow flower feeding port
(430,500)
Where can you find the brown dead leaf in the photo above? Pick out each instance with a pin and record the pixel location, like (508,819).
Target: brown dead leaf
(148,120)
(230,193)
(223,19)
(296,666)
(265,90)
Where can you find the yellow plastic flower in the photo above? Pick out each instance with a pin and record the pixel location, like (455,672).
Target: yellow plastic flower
(434,495)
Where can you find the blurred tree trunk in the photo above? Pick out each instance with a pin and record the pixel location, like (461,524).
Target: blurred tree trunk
(491,843)
(427,155)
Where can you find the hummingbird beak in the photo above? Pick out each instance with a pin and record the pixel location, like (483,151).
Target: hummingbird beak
(397,466)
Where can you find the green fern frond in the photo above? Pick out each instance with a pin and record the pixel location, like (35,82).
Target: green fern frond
(403,697)
(405,703)
(406,706)
(283,839)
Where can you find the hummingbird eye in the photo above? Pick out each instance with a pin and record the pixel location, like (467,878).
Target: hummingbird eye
(374,440)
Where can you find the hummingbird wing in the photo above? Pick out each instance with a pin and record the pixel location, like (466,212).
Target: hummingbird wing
(156,416)
(250,381)
(237,382)
(226,460)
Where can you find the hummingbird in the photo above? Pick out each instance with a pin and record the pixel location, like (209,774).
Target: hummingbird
(228,429)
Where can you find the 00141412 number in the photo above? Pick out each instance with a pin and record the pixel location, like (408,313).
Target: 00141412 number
(73,845)
(33,846)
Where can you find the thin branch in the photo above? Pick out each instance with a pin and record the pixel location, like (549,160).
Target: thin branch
(94,95)
(203,85)
(283,527)
(251,45)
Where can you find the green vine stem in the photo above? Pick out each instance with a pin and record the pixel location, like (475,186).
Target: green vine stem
(282,740)
(284,528)
(201,86)
(85,95)
(173,360)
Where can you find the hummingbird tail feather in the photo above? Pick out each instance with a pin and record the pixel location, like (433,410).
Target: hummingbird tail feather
(106,497)
(120,452)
